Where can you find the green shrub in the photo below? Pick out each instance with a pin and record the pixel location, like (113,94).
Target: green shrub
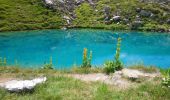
(116,64)
(109,67)
(86,60)
(3,61)
(49,65)
(166,79)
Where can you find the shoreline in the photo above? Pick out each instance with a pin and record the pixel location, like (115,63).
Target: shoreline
(93,28)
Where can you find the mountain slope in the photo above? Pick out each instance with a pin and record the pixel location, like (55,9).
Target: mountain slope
(147,15)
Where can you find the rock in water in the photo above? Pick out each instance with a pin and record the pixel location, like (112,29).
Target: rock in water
(22,85)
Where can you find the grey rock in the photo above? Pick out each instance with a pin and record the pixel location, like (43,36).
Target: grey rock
(153,16)
(79,2)
(116,18)
(156,1)
(125,21)
(168,21)
(145,13)
(49,2)
(91,2)
(136,24)
(138,10)
(107,10)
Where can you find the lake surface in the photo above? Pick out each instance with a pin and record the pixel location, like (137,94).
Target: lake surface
(34,48)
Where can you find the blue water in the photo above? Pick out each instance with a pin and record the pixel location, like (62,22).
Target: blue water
(34,48)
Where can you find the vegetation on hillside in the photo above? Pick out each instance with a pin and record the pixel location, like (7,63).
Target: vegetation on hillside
(33,14)
(27,15)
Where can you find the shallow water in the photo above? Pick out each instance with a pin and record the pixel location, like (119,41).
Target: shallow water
(34,48)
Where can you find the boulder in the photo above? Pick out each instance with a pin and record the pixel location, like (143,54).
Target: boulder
(125,21)
(79,2)
(107,10)
(91,2)
(136,24)
(22,85)
(131,74)
(49,2)
(145,13)
(138,10)
(68,19)
(168,21)
(153,16)
(116,18)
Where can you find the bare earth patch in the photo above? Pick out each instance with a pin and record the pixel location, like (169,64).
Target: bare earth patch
(122,79)
(5,78)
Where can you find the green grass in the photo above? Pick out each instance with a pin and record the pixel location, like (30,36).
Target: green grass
(60,87)
(27,15)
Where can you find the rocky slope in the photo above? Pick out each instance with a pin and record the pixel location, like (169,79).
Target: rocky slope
(145,15)
(131,14)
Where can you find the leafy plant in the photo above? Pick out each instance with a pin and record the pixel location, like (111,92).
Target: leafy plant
(49,65)
(116,64)
(3,61)
(166,79)
(86,60)
(109,67)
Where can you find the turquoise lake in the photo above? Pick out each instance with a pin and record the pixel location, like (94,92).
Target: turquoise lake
(34,48)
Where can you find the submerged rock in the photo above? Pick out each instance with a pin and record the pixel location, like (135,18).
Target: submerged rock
(22,85)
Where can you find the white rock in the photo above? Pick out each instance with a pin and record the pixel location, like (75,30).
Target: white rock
(21,85)
(50,2)
(130,73)
(66,17)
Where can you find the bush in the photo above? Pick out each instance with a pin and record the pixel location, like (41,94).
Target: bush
(116,64)
(3,61)
(49,65)
(109,67)
(166,79)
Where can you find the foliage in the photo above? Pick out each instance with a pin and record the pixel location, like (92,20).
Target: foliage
(32,14)
(166,79)
(109,67)
(86,60)
(116,64)
(27,15)
(3,61)
(49,65)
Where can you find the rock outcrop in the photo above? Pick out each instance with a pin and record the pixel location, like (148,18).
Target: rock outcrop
(110,15)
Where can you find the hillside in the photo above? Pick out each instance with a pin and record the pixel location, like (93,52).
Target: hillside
(144,15)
